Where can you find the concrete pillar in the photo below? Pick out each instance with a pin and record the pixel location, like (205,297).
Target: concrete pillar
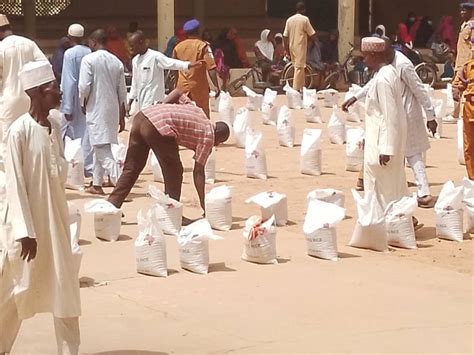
(199,10)
(29,12)
(165,22)
(346,25)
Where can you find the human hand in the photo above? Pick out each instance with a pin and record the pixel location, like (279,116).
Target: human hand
(218,93)
(384,159)
(432,126)
(349,103)
(28,249)
(68,117)
(456,94)
(197,64)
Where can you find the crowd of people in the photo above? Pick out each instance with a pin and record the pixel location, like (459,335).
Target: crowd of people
(93,106)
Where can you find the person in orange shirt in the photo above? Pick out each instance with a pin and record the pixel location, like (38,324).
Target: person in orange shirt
(194,82)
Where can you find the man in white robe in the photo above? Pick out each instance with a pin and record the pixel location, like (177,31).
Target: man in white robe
(15,51)
(415,99)
(103,96)
(74,123)
(386,128)
(38,270)
(148,81)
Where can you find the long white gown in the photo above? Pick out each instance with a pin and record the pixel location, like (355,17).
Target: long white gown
(386,131)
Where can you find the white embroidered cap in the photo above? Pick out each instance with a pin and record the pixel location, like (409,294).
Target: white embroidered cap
(34,74)
(4,20)
(372,44)
(76,30)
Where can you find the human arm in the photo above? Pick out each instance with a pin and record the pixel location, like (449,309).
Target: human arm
(173,97)
(286,38)
(132,96)
(360,95)
(68,86)
(85,82)
(208,57)
(164,62)
(199,178)
(122,96)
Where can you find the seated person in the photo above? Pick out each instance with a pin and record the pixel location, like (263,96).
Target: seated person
(264,51)
(314,58)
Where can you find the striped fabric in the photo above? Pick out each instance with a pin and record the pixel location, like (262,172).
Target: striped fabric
(187,124)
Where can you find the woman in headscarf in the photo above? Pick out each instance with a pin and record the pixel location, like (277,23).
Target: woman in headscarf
(380,31)
(425,32)
(403,37)
(58,56)
(280,52)
(264,51)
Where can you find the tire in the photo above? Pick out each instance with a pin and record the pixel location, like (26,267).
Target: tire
(427,74)
(237,84)
(331,81)
(289,73)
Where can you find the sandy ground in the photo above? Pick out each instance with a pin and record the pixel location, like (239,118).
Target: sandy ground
(417,301)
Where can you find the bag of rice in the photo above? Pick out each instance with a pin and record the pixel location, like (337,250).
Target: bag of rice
(254,100)
(399,222)
(226,110)
(355,148)
(219,208)
(460,141)
(312,112)
(75,160)
(260,241)
(241,125)
(286,128)
(272,204)
(150,246)
(210,168)
(335,197)
(156,169)
(255,158)
(168,212)
(107,219)
(320,229)
(354,113)
(295,101)
(450,213)
(193,243)
(331,97)
(336,128)
(469,203)
(311,154)
(369,231)
(213,102)
(269,108)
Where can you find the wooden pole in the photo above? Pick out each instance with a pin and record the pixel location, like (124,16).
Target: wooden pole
(346,25)
(165,22)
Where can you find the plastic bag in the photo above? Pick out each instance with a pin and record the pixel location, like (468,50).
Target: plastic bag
(193,243)
(150,246)
(254,100)
(286,128)
(269,108)
(107,219)
(213,102)
(75,221)
(331,97)
(335,197)
(320,229)
(168,212)
(354,149)
(75,160)
(255,158)
(460,141)
(156,169)
(399,222)
(219,208)
(295,101)
(450,213)
(354,113)
(311,154)
(336,128)
(241,126)
(272,204)
(260,241)
(210,168)
(370,231)
(226,110)
(312,112)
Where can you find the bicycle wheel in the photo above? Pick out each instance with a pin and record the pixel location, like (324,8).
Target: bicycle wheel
(289,74)
(237,84)
(331,81)
(426,73)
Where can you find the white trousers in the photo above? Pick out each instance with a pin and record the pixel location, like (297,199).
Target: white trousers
(103,163)
(419,170)
(66,329)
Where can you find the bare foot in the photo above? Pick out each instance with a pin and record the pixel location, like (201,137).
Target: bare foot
(95,190)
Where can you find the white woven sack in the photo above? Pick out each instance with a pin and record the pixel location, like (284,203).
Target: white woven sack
(336,128)
(450,213)
(255,158)
(226,109)
(210,168)
(260,241)
(286,128)
(168,212)
(193,244)
(369,231)
(254,100)
(399,222)
(107,219)
(272,204)
(354,113)
(213,102)
(75,160)
(269,108)
(354,149)
(335,197)
(75,221)
(293,97)
(150,246)
(312,112)
(460,141)
(219,208)
(311,154)
(331,97)
(241,125)
(320,229)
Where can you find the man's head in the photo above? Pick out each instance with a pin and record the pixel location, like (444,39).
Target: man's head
(373,50)
(232,34)
(467,10)
(39,83)
(75,33)
(5,28)
(98,40)
(411,17)
(191,28)
(389,50)
(301,7)
(138,43)
(221,133)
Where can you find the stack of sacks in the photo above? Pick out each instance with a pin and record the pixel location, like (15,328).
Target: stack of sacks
(119,152)
(449,213)
(75,164)
(460,142)
(355,148)
(320,229)
(449,104)
(293,97)
(336,128)
(312,112)
(311,154)
(107,219)
(150,246)
(272,204)
(156,169)
(242,124)
(369,231)
(260,241)
(330,96)
(214,102)
(469,204)
(75,221)
(168,212)
(254,100)
(399,222)
(255,158)
(193,243)
(332,196)
(269,108)
(210,168)
(219,208)
(286,128)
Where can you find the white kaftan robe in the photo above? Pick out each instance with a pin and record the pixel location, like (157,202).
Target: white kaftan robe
(148,82)
(35,174)
(386,130)
(102,91)
(15,51)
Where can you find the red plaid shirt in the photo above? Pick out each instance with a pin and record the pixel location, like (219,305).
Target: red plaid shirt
(187,124)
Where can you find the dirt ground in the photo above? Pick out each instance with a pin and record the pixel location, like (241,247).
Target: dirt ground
(402,301)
